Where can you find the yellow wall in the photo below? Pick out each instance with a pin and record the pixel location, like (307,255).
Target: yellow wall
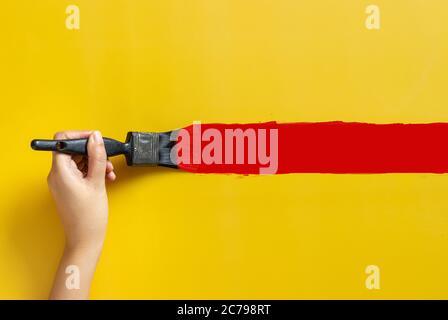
(159,65)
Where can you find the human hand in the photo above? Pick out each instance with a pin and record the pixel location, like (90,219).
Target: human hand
(77,184)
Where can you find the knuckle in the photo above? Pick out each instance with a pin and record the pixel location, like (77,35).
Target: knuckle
(101,159)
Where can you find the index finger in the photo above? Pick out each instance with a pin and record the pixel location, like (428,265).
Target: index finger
(72,134)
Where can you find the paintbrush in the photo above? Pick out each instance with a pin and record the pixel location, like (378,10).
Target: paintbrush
(276,148)
(140,148)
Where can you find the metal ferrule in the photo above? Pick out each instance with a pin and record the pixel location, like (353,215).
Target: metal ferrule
(145,148)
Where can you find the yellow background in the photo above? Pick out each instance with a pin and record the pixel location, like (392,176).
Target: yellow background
(159,65)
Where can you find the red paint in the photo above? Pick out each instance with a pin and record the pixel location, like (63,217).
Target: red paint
(340,147)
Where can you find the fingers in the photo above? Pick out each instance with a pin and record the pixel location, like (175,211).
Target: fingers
(62,161)
(81,162)
(80,134)
(95,165)
(109,167)
(110,174)
(97,160)
(83,167)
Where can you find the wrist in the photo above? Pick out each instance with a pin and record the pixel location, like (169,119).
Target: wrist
(90,246)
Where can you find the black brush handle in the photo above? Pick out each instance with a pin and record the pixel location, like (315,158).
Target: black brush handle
(79,146)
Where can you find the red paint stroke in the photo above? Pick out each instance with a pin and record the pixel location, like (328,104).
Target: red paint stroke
(345,147)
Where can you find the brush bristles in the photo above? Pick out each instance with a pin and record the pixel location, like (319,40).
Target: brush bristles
(165,146)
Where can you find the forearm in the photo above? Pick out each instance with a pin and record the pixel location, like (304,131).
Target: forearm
(75,272)
(78,186)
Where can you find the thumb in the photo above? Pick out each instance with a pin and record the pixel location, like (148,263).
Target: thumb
(97,157)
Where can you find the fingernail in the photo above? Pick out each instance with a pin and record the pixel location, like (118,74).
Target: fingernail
(97,137)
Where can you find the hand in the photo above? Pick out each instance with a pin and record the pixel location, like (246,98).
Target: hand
(77,184)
